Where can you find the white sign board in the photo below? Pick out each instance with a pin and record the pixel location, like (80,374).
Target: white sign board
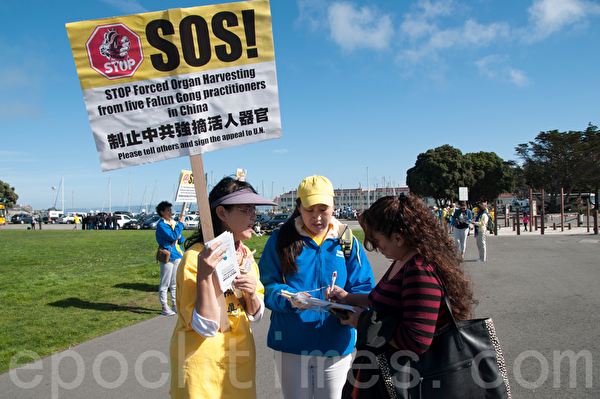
(179,82)
(186,191)
(463,193)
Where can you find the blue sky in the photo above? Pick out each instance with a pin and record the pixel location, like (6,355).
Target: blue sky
(363,86)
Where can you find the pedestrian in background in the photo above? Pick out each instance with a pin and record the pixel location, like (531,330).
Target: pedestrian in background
(461,220)
(481,221)
(525,220)
(168,236)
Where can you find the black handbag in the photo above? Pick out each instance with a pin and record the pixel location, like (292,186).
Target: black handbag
(464,361)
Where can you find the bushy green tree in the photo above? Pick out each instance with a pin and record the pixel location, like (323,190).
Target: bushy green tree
(492,175)
(8,197)
(438,173)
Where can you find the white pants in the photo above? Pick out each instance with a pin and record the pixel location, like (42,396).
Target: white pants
(481,241)
(168,281)
(308,377)
(460,239)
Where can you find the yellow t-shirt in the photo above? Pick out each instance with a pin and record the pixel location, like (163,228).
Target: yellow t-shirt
(318,240)
(223,366)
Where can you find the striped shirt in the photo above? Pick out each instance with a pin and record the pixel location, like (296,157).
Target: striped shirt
(415,302)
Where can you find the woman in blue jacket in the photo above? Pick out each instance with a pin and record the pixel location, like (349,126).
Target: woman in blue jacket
(313,350)
(168,235)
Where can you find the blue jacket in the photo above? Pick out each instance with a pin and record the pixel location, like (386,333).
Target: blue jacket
(456,217)
(307,332)
(165,236)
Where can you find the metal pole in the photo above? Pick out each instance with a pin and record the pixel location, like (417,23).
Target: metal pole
(562,209)
(543,213)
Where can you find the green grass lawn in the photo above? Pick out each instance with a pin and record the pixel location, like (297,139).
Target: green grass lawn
(63,287)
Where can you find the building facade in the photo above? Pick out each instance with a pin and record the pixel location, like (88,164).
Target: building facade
(355,198)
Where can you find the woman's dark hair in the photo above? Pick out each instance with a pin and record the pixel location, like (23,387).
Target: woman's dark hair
(161,207)
(226,186)
(289,243)
(408,216)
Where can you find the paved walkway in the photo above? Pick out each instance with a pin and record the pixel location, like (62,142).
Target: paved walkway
(542,292)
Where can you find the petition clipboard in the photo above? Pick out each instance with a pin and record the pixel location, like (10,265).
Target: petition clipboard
(315,304)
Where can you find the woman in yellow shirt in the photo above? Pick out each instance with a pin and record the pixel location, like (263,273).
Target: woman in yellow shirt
(205,362)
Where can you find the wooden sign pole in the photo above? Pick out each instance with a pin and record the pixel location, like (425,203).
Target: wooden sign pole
(207,228)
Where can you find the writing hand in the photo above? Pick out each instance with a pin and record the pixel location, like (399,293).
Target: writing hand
(336,294)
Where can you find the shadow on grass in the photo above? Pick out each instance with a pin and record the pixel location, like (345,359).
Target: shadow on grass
(78,303)
(138,287)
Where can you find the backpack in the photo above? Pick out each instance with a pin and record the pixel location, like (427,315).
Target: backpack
(490,223)
(346,242)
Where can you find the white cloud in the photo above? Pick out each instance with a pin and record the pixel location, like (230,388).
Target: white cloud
(437,8)
(281,151)
(483,35)
(495,67)
(549,16)
(469,36)
(518,77)
(353,28)
(430,36)
(313,12)
(416,28)
(432,32)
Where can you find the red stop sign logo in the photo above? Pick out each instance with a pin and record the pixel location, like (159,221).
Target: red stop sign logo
(114,51)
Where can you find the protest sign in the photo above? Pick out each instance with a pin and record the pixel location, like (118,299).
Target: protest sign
(179,82)
(186,191)
(240,174)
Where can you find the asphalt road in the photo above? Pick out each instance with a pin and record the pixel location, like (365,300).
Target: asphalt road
(541,291)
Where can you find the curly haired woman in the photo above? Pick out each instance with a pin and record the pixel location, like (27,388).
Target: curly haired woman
(403,229)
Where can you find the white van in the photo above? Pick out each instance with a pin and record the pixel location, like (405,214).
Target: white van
(69,218)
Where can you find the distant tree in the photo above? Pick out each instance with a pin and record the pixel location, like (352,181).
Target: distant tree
(556,160)
(438,173)
(591,151)
(492,177)
(521,189)
(8,197)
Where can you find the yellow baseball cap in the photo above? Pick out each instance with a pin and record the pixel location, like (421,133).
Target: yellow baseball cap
(316,190)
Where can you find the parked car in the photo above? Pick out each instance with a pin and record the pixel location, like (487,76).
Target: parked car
(262,218)
(121,219)
(151,222)
(136,222)
(132,224)
(21,218)
(124,213)
(52,216)
(277,220)
(69,218)
(191,224)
